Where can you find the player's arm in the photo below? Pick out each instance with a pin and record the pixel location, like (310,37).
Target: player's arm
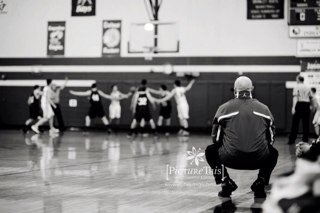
(102,94)
(151,99)
(157,92)
(168,97)
(189,86)
(29,100)
(65,83)
(134,102)
(80,93)
(125,96)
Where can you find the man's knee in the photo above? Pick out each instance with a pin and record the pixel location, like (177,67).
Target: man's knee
(211,152)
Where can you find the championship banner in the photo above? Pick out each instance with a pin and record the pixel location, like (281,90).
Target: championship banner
(83,8)
(56,38)
(265,9)
(111,37)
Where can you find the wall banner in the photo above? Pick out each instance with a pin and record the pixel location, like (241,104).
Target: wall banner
(265,9)
(56,38)
(4,7)
(83,8)
(111,37)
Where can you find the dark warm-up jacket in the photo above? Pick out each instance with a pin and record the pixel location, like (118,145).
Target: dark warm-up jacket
(244,129)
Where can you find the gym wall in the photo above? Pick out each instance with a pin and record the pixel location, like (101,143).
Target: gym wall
(219,42)
(206,28)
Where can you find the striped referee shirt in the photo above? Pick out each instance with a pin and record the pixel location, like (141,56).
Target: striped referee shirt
(302,92)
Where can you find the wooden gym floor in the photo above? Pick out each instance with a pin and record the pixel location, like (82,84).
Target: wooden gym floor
(100,173)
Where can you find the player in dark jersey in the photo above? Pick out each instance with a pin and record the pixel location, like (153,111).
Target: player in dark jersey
(35,111)
(96,106)
(141,108)
(165,109)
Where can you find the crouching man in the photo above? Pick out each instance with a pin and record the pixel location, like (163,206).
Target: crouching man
(242,135)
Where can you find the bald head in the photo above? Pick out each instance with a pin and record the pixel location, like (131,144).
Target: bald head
(243,83)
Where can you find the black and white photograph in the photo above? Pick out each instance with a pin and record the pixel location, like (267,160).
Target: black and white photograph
(162,106)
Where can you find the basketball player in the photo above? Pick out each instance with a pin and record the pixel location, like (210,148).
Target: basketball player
(141,108)
(316,107)
(55,97)
(165,109)
(300,110)
(47,108)
(96,107)
(115,107)
(35,112)
(182,104)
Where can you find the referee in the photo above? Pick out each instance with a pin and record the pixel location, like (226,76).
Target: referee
(300,110)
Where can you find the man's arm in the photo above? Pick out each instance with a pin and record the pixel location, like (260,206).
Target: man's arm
(189,86)
(294,100)
(79,93)
(216,132)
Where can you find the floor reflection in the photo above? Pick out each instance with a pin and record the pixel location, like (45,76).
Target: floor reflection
(229,206)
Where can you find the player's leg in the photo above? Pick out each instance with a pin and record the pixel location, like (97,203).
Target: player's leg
(294,126)
(52,129)
(167,126)
(35,127)
(88,121)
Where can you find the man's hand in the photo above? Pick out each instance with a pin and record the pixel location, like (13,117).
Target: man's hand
(302,148)
(293,111)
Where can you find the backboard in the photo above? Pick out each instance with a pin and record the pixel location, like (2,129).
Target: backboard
(153,37)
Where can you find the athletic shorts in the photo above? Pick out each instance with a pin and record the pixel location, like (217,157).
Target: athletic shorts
(183,111)
(35,112)
(47,110)
(142,113)
(96,111)
(114,111)
(165,112)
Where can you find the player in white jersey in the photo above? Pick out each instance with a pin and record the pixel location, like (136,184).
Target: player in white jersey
(182,104)
(115,108)
(46,106)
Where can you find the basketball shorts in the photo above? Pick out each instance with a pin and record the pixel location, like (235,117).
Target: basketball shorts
(142,113)
(165,112)
(114,111)
(35,112)
(183,111)
(96,111)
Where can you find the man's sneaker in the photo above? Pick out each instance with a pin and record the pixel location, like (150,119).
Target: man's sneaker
(258,187)
(228,186)
(35,129)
